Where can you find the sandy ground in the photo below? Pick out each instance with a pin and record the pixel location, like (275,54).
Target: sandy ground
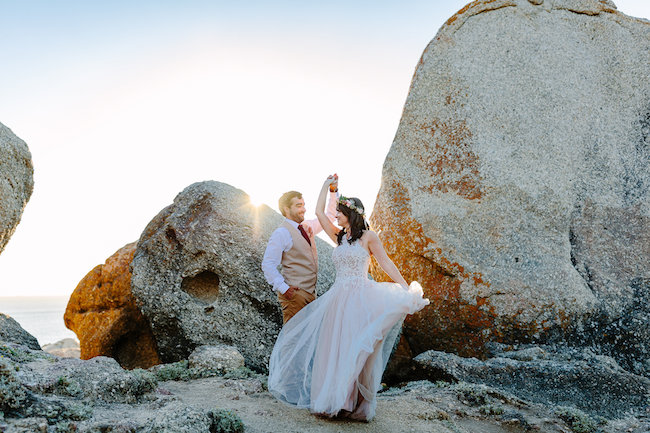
(405,412)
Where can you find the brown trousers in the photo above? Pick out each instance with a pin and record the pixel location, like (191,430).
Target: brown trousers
(291,306)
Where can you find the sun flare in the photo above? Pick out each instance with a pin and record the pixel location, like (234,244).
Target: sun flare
(255,201)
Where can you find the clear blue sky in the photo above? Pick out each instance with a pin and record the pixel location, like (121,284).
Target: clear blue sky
(123,104)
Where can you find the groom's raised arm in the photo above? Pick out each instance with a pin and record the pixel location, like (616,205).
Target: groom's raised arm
(330,212)
(279,242)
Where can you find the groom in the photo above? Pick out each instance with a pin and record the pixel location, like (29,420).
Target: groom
(293,246)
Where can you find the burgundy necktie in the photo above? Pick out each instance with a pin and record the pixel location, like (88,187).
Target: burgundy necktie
(304,234)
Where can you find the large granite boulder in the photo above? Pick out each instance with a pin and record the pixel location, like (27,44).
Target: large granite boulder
(103,314)
(16,182)
(517,187)
(197,274)
(594,383)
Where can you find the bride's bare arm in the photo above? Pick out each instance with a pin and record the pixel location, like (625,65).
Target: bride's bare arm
(331,230)
(377,249)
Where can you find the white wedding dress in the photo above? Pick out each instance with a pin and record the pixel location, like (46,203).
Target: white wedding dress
(331,355)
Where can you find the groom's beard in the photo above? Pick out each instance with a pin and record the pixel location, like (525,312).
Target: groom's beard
(297,217)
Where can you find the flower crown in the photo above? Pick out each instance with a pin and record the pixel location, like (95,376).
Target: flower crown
(349,203)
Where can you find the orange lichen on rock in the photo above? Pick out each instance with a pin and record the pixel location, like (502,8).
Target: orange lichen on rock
(444,153)
(477,4)
(103,313)
(453,322)
(464,9)
(449,323)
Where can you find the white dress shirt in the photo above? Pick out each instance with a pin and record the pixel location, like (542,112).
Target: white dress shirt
(280,242)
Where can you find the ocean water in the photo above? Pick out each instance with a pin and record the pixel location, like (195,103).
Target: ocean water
(41,316)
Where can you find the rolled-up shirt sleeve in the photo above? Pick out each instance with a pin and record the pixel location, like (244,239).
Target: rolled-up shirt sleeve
(279,242)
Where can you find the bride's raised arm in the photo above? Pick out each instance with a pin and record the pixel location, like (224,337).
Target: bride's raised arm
(331,230)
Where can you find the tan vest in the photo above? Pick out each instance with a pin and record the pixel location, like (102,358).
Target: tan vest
(300,263)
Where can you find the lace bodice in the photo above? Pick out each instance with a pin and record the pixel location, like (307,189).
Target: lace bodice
(351,260)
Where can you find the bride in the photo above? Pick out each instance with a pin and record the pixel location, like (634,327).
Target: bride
(331,355)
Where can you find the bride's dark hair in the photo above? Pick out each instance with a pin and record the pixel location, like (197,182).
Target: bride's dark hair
(357,222)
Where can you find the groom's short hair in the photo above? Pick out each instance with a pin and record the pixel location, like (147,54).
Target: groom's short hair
(285,200)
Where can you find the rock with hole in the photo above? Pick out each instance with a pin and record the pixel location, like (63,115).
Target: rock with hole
(197,274)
